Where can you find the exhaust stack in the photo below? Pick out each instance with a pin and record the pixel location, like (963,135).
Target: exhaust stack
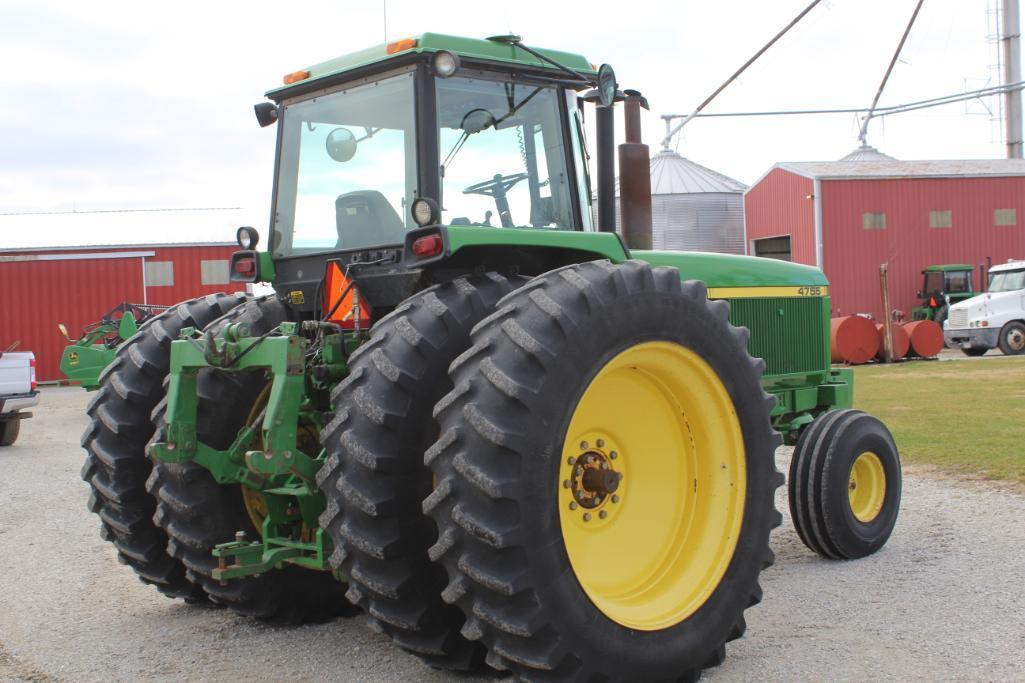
(635,177)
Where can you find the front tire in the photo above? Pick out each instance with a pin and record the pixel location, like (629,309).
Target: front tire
(605,477)
(1012,338)
(845,485)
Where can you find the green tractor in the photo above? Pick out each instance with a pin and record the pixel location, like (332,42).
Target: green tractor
(507,434)
(85,358)
(943,285)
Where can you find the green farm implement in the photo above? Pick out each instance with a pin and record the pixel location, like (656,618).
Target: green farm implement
(85,358)
(509,435)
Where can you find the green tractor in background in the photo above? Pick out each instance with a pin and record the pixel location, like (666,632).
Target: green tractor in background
(507,434)
(86,357)
(943,285)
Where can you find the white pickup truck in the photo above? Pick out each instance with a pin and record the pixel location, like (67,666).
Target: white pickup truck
(17,392)
(994,319)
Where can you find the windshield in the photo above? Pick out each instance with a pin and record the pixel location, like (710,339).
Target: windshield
(933,282)
(347,169)
(503,155)
(1007,281)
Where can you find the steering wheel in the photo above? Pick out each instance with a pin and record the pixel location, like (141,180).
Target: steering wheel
(497,188)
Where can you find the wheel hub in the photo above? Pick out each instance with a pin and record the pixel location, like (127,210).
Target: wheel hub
(1016,340)
(592,479)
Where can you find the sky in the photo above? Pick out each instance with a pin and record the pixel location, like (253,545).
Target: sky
(138,105)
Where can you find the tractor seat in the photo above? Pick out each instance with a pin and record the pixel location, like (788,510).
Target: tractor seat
(365,218)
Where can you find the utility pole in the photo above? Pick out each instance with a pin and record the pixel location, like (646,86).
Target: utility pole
(1010,37)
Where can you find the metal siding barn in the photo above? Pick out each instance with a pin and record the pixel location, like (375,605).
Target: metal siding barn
(909,214)
(693,208)
(40,288)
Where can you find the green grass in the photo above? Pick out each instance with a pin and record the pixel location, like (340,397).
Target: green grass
(965,417)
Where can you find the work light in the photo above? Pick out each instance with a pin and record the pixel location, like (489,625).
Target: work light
(445,64)
(425,211)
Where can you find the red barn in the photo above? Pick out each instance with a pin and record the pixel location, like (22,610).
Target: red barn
(848,217)
(40,288)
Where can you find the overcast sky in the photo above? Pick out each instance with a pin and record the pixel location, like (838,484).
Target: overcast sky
(115,105)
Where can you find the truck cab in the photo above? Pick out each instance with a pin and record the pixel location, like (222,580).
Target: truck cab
(995,319)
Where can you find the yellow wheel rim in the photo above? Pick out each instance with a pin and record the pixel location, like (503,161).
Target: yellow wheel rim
(866,489)
(652,485)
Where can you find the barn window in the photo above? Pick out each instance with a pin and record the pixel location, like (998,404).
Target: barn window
(214,272)
(773,247)
(941,219)
(159,273)
(873,221)
(1005,217)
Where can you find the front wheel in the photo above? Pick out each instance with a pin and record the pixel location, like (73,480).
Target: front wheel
(1012,338)
(605,477)
(845,485)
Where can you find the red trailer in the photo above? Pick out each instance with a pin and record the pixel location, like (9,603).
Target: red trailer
(847,217)
(40,288)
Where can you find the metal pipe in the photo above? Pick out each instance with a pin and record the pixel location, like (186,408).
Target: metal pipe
(674,131)
(604,122)
(879,112)
(889,69)
(1011,39)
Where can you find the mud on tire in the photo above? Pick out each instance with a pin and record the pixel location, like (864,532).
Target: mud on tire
(375,477)
(116,466)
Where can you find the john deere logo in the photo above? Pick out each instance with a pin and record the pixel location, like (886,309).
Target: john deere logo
(73,358)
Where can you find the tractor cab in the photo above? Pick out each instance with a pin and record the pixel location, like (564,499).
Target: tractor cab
(427,131)
(942,286)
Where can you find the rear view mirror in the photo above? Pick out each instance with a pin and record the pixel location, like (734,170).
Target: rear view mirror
(341,144)
(476,120)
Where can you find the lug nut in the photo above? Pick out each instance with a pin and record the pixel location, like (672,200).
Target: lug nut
(613,455)
(571,460)
(587,516)
(566,484)
(583,445)
(601,443)
(603,514)
(615,498)
(572,506)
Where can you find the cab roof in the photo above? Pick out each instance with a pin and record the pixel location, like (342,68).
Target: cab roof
(466,48)
(947,268)
(1010,265)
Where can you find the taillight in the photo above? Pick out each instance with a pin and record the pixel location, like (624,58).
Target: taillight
(428,245)
(32,372)
(246,267)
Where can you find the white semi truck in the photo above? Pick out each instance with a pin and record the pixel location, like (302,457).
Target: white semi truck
(17,392)
(995,319)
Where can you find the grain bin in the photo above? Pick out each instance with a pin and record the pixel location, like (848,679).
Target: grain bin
(693,208)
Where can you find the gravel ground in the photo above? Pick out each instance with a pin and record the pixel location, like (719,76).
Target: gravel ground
(945,599)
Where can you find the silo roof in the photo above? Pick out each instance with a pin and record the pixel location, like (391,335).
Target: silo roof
(674,174)
(867,153)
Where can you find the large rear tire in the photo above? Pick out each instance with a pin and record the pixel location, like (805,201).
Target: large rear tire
(116,466)
(197,513)
(375,477)
(605,477)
